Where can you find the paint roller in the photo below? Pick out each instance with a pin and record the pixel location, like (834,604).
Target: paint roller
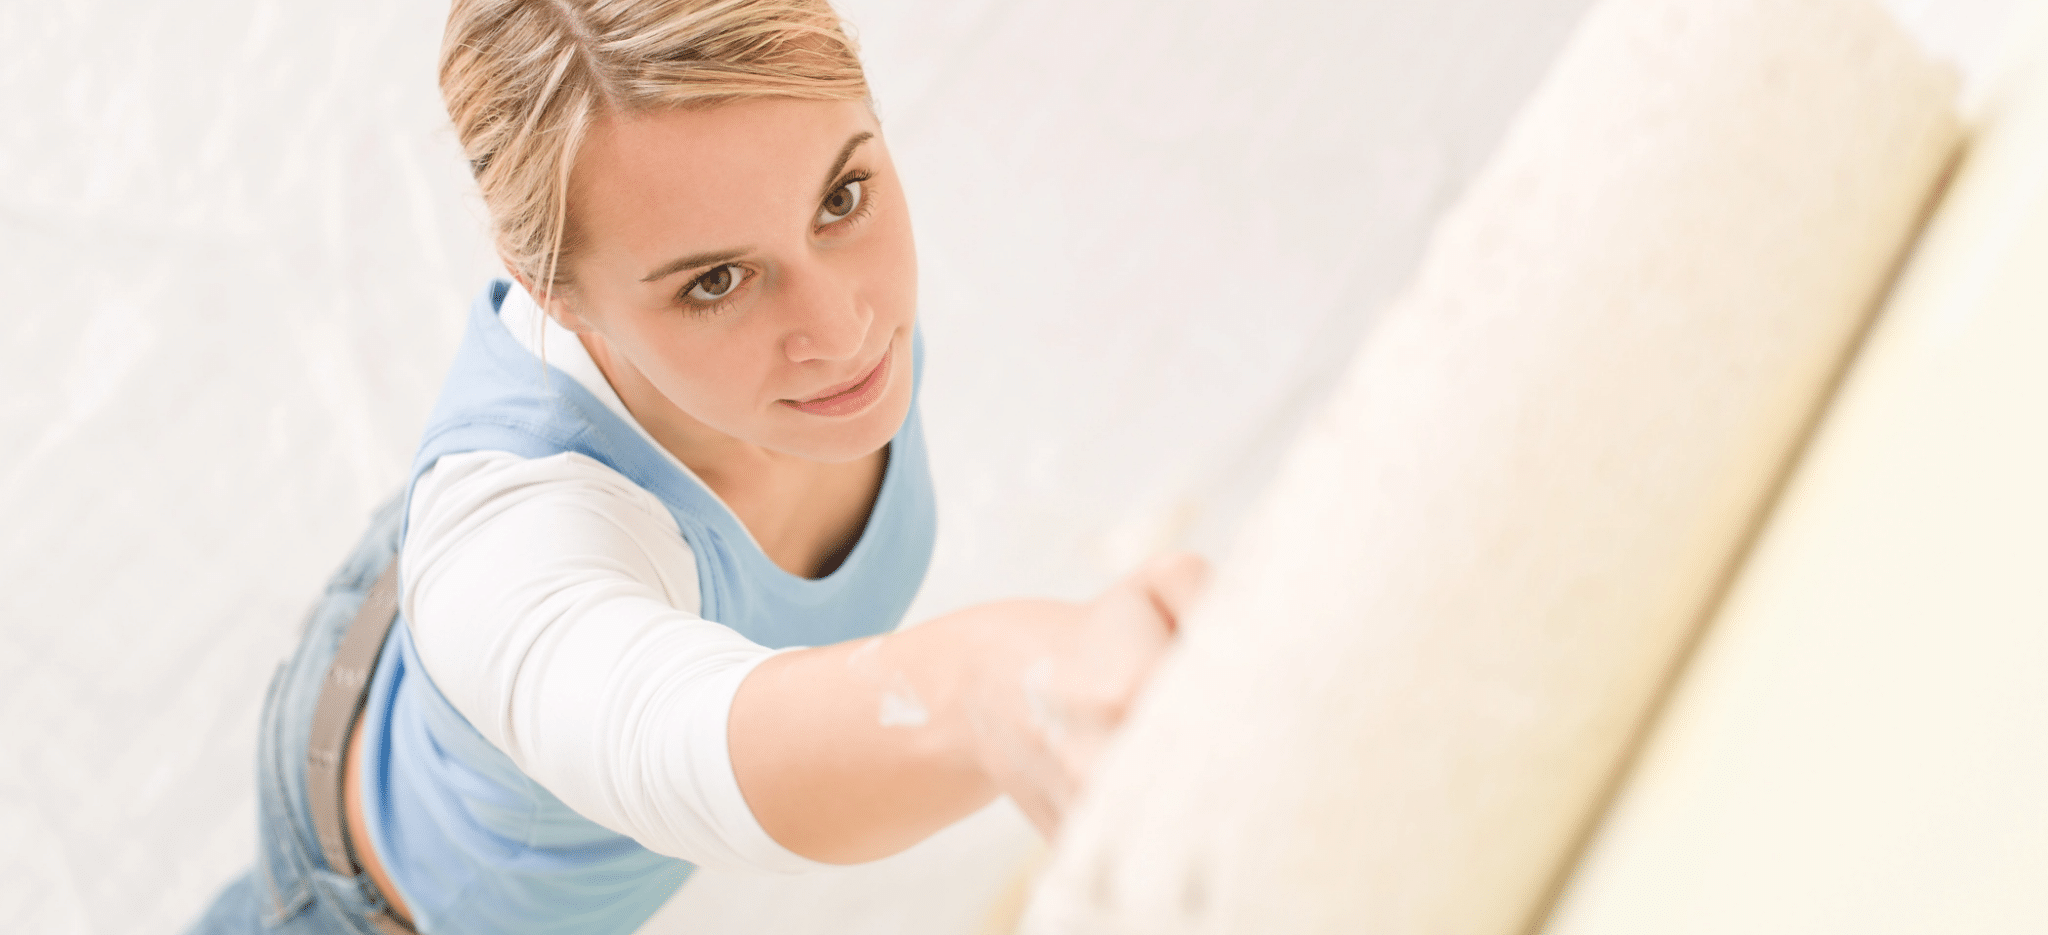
(1425,659)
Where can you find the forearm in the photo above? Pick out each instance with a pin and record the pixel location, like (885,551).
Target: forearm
(855,751)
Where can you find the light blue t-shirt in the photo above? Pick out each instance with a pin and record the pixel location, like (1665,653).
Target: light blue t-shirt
(477,845)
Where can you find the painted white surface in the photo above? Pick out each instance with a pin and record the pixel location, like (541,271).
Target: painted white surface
(237,242)
(1861,743)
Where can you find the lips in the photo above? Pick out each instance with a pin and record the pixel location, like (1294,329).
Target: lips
(847,398)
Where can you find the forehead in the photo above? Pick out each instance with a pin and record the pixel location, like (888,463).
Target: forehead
(727,173)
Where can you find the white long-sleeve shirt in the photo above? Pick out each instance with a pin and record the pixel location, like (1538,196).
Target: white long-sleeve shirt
(555,604)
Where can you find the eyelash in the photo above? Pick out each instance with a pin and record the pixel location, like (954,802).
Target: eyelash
(867,197)
(860,212)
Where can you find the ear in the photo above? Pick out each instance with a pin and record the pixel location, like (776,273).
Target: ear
(554,302)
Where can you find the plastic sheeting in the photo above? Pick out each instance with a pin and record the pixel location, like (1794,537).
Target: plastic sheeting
(237,242)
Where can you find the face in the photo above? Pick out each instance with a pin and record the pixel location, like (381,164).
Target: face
(744,275)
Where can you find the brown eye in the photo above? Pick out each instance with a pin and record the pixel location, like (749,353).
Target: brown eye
(841,203)
(716,284)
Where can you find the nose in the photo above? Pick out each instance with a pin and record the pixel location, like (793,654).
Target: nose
(828,319)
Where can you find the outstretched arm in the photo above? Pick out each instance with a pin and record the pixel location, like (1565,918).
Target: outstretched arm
(552,602)
(858,750)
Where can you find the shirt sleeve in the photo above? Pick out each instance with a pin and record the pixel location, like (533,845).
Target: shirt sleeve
(555,604)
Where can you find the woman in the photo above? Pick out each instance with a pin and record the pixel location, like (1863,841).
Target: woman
(662,524)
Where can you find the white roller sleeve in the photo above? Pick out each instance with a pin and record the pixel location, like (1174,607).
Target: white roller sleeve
(1427,655)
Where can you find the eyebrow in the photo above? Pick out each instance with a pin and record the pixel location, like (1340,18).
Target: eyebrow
(845,153)
(695,260)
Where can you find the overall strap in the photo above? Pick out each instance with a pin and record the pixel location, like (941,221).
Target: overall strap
(334,720)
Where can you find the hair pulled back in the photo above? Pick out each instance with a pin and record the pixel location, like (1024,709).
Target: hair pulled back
(524,79)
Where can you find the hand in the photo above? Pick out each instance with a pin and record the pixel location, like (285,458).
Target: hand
(1063,680)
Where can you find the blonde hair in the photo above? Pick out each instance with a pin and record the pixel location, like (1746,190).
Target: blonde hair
(524,80)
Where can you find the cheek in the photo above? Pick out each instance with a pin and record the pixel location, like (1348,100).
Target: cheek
(713,377)
(896,264)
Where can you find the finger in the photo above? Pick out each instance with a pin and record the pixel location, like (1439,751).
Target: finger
(1080,756)
(1174,582)
(1040,810)
(1126,626)
(1022,755)
(1040,786)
